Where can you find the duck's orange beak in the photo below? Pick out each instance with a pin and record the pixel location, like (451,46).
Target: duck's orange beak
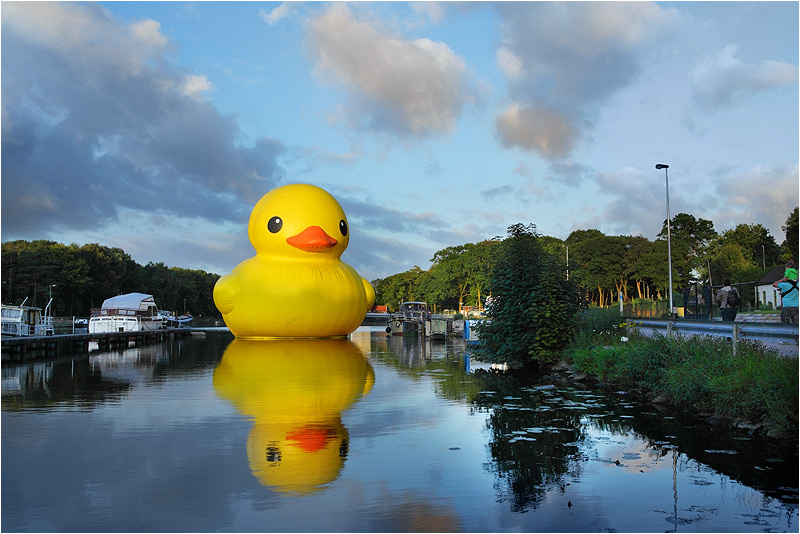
(312,239)
(311,438)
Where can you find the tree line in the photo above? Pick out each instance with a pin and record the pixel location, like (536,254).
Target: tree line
(605,266)
(80,278)
(602,266)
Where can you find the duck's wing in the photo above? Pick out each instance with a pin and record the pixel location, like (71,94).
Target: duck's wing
(370,291)
(226,291)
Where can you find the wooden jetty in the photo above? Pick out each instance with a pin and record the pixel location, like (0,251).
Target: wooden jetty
(29,347)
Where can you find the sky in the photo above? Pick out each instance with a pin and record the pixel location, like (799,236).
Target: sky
(155,127)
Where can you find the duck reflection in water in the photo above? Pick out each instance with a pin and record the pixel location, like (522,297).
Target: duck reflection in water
(295,390)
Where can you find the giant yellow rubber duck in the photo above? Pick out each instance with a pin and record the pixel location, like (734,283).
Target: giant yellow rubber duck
(296,285)
(295,391)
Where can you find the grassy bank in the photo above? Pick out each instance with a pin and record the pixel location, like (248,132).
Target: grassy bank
(695,374)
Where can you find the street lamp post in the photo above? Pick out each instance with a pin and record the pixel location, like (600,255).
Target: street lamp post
(664,166)
(50,299)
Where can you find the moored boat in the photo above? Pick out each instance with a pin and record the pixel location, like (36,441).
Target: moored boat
(26,320)
(176,321)
(410,319)
(132,312)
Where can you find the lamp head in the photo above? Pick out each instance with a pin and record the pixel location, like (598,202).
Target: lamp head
(662,166)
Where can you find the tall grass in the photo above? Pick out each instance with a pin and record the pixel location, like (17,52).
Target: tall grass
(597,326)
(697,373)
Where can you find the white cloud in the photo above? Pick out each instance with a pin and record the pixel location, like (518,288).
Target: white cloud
(277,14)
(569,58)
(764,194)
(536,128)
(148,31)
(724,79)
(510,64)
(88,32)
(195,85)
(433,10)
(97,120)
(412,88)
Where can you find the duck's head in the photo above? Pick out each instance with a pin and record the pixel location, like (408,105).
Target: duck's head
(298,221)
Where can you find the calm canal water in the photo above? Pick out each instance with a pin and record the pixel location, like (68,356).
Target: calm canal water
(372,434)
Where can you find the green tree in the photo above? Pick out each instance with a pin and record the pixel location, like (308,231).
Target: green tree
(578,236)
(401,287)
(757,245)
(651,269)
(691,238)
(459,275)
(81,277)
(789,245)
(727,259)
(479,262)
(450,276)
(639,250)
(607,265)
(531,316)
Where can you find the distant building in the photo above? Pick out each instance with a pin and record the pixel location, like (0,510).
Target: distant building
(766,293)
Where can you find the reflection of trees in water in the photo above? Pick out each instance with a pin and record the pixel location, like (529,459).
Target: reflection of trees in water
(101,376)
(532,440)
(43,384)
(757,462)
(542,433)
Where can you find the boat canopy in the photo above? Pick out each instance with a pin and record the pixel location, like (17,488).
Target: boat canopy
(414,305)
(130,301)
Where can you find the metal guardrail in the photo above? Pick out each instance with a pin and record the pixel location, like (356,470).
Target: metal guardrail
(736,331)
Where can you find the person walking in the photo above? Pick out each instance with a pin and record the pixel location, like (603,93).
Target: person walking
(789,300)
(728,299)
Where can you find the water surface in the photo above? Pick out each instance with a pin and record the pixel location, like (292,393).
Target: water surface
(372,434)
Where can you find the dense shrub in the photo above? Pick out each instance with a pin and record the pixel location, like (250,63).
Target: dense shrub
(533,306)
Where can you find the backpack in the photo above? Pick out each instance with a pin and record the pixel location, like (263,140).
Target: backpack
(733,297)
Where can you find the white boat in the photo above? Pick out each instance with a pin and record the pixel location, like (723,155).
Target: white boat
(133,312)
(26,320)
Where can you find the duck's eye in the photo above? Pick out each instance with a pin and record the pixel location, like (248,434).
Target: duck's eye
(275,224)
(343,227)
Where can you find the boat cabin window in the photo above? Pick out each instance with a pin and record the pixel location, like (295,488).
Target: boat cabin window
(11,313)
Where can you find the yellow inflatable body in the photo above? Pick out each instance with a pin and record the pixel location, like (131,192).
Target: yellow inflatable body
(296,285)
(295,391)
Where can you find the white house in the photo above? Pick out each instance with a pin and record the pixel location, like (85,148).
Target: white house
(764,290)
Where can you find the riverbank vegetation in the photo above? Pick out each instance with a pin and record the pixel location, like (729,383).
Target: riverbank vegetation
(605,265)
(755,389)
(82,277)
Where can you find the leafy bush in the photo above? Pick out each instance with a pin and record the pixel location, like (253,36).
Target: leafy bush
(533,305)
